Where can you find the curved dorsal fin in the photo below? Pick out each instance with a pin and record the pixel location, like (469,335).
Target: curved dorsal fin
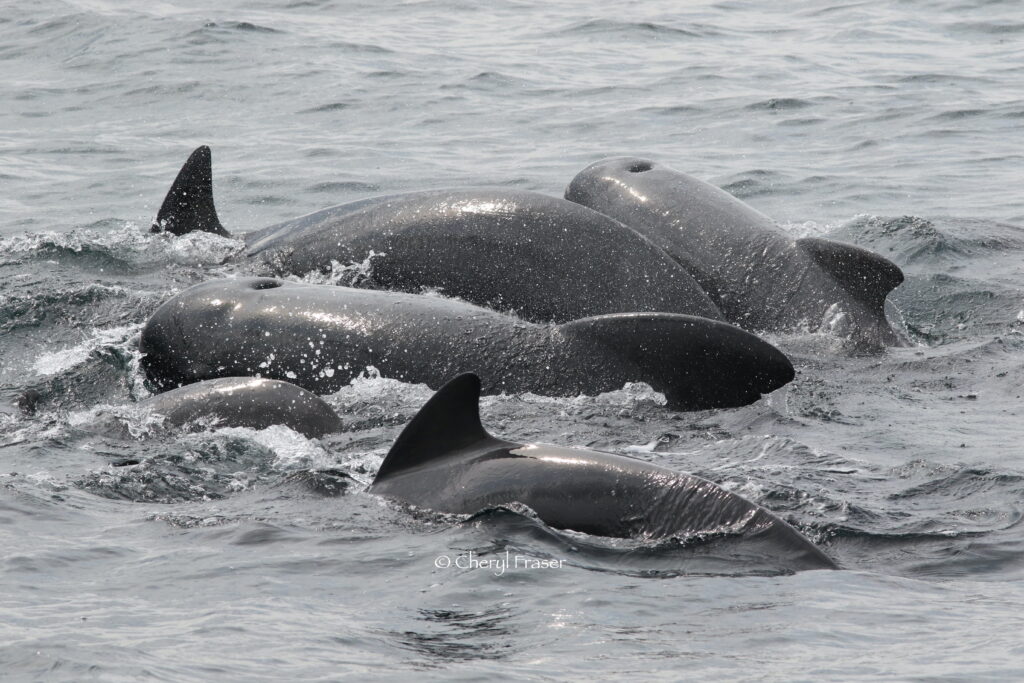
(449,421)
(188,205)
(864,274)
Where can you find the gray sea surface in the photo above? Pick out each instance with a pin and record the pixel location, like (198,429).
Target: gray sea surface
(128,552)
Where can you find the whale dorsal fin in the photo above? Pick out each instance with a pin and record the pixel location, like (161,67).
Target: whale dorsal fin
(188,205)
(862,273)
(449,421)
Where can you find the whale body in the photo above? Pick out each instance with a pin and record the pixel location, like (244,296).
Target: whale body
(321,337)
(445,460)
(246,402)
(544,258)
(758,276)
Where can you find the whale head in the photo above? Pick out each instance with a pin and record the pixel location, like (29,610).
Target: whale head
(179,336)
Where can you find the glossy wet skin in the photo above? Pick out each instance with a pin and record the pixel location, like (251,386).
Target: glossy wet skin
(247,402)
(758,276)
(444,460)
(545,258)
(321,337)
(596,493)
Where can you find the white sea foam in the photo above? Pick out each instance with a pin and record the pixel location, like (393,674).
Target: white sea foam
(54,362)
(345,274)
(293,451)
(131,241)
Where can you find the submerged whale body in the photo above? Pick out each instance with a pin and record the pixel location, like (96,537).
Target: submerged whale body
(446,461)
(545,258)
(321,337)
(246,402)
(758,276)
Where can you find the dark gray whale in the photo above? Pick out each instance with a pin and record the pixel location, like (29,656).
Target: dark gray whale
(321,337)
(759,277)
(444,460)
(547,259)
(247,402)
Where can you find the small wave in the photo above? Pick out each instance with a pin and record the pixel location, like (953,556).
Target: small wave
(54,362)
(524,534)
(344,187)
(187,521)
(643,28)
(804,121)
(33,305)
(455,635)
(138,422)
(780,104)
(292,450)
(367,48)
(356,274)
(203,466)
(124,245)
(370,401)
(78,241)
(912,239)
(989,27)
(956,482)
(941,308)
(631,395)
(903,517)
(488,80)
(172,89)
(941,78)
(753,183)
(388,74)
(72,23)
(243,26)
(324,108)
(958,114)
(673,110)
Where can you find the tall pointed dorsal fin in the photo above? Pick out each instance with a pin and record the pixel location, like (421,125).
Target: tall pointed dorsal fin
(188,205)
(449,421)
(862,273)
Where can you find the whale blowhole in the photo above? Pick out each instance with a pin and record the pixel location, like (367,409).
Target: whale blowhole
(265,284)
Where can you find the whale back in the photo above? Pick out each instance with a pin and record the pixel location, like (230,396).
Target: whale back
(445,461)
(188,206)
(755,272)
(449,422)
(251,402)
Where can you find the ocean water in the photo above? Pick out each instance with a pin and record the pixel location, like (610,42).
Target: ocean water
(131,552)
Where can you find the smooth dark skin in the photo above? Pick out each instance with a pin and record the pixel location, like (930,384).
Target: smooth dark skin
(758,276)
(444,460)
(247,402)
(321,337)
(544,258)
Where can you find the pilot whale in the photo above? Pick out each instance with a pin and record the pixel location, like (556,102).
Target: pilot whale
(246,402)
(445,460)
(758,276)
(544,258)
(321,337)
